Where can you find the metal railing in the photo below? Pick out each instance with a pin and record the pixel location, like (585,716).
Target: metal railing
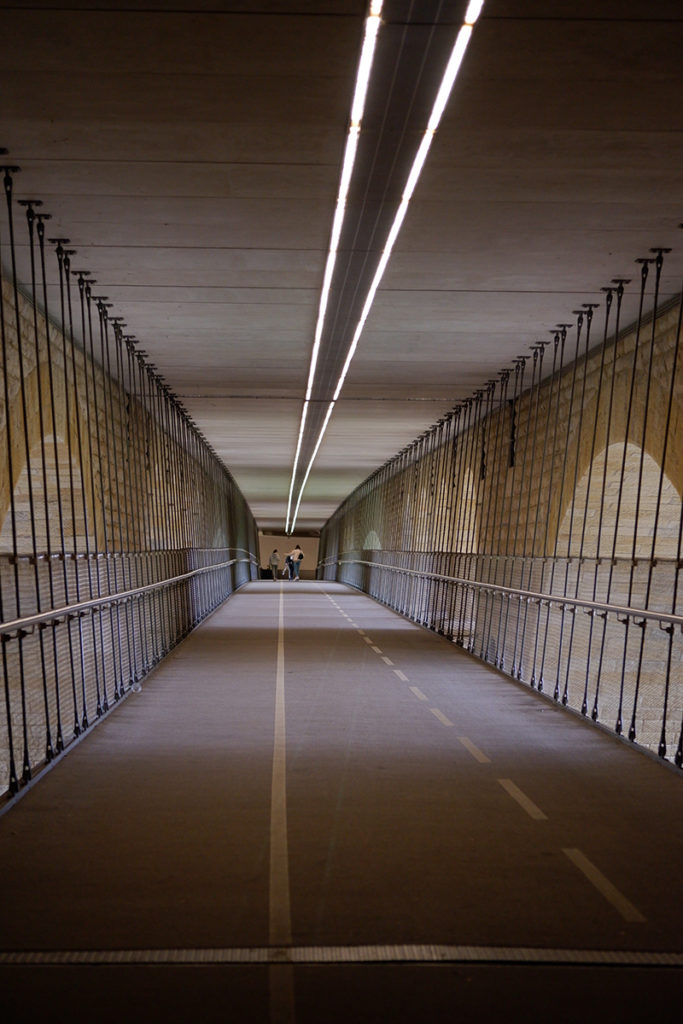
(120,528)
(451,606)
(148,621)
(539,524)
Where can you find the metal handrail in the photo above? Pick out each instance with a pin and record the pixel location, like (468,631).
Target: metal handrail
(528,595)
(73,611)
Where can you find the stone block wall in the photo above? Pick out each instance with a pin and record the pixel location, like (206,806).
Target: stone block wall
(105,487)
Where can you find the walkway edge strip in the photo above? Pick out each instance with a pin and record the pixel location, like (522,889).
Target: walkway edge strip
(344,955)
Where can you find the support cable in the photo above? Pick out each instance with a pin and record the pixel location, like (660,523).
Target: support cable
(619,292)
(7,181)
(13,782)
(644,265)
(540,346)
(80,719)
(552,416)
(658,262)
(537,366)
(59,742)
(589,481)
(44,556)
(499,661)
(589,307)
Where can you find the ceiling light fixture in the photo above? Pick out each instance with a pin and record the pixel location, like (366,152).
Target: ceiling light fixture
(372,23)
(455,61)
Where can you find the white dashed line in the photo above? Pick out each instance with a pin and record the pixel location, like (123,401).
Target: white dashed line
(362,632)
(418,693)
(376,649)
(523,800)
(604,886)
(368,640)
(474,751)
(440,715)
(404,679)
(387,661)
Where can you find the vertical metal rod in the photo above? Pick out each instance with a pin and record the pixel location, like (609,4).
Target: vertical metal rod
(13,783)
(619,292)
(468,501)
(553,563)
(659,262)
(454,457)
(584,516)
(70,556)
(84,487)
(485,552)
(529,446)
(563,478)
(30,221)
(644,265)
(553,415)
(475,524)
(26,770)
(110,515)
(98,384)
(512,464)
(446,509)
(565,692)
(541,475)
(120,456)
(465,500)
(128,455)
(59,743)
(511,542)
(94,556)
(139,522)
(494,532)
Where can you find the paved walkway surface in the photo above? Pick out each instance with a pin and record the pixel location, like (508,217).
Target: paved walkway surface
(317,811)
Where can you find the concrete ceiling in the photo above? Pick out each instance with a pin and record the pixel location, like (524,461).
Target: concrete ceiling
(191,152)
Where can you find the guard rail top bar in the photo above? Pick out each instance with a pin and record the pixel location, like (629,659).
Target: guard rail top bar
(73,611)
(528,595)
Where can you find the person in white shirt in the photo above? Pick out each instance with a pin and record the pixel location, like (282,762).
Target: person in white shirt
(295,557)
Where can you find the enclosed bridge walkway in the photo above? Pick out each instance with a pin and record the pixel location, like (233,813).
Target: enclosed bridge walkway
(315,810)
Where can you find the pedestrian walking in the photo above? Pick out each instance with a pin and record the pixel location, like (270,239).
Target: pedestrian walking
(273,562)
(295,557)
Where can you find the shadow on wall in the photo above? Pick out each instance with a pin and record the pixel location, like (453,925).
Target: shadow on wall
(309,546)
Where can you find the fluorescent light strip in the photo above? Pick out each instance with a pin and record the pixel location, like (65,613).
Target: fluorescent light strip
(455,61)
(313,457)
(372,23)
